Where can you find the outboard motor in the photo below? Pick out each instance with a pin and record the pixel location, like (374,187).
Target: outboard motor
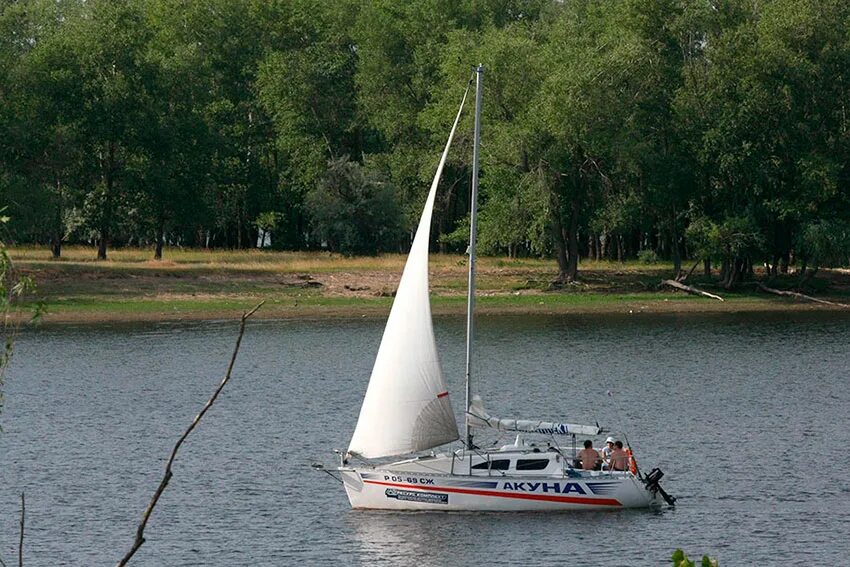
(652,479)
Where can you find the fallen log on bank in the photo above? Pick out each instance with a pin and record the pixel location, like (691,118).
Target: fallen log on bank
(690,289)
(797,295)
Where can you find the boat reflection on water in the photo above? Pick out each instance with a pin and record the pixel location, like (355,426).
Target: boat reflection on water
(431,539)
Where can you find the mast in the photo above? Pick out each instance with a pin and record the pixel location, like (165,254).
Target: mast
(473,229)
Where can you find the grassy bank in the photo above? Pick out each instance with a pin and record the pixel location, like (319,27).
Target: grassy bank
(201,284)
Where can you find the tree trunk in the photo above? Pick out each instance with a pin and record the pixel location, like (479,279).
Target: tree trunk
(106,218)
(572,242)
(683,276)
(160,238)
(737,268)
(706,267)
(445,210)
(557,231)
(807,275)
(561,251)
(799,296)
(690,289)
(729,267)
(677,258)
(56,238)
(239,230)
(783,262)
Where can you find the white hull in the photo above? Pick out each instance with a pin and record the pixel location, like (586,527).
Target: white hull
(386,489)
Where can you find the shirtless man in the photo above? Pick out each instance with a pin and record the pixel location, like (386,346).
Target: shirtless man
(619,457)
(589,456)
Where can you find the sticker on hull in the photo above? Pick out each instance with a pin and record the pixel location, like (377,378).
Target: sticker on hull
(413,496)
(409,491)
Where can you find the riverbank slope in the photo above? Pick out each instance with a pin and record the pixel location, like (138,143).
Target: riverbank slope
(201,284)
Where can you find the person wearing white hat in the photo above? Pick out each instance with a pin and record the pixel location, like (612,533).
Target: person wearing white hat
(607,450)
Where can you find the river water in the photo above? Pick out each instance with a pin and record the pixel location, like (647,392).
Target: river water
(747,415)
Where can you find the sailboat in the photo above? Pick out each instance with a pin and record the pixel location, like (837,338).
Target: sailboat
(407,411)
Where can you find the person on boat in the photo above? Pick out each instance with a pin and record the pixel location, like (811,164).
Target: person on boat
(619,457)
(607,450)
(590,457)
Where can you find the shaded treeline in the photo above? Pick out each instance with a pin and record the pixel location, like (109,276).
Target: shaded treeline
(714,130)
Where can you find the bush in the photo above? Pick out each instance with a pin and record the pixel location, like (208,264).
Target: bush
(647,257)
(681,560)
(354,211)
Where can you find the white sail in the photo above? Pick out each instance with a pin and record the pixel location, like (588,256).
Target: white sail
(478,417)
(407,408)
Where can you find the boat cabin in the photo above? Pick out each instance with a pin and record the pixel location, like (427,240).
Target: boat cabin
(518,459)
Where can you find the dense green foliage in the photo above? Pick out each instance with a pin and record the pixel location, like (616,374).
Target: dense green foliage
(687,128)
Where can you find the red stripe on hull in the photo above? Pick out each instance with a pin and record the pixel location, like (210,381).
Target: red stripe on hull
(518,495)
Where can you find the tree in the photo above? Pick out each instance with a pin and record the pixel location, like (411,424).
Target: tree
(825,242)
(609,126)
(267,223)
(305,86)
(106,45)
(598,69)
(171,167)
(353,211)
(768,100)
(40,149)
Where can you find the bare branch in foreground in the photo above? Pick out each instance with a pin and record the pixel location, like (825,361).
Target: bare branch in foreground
(21,540)
(690,289)
(140,531)
(796,295)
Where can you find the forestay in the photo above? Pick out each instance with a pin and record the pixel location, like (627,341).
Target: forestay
(478,417)
(407,408)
